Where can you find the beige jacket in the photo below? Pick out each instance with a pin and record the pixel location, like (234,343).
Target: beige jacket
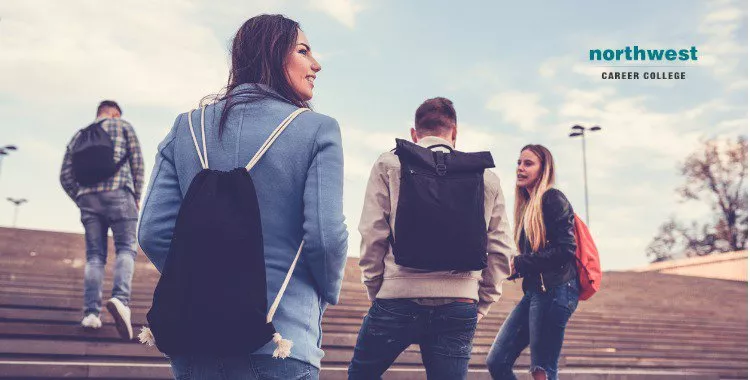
(385,279)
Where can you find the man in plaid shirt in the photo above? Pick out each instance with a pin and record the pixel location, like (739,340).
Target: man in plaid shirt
(114,204)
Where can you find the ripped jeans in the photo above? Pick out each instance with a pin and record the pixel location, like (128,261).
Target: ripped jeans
(444,334)
(537,321)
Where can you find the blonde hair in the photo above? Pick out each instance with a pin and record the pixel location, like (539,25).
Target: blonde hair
(528,204)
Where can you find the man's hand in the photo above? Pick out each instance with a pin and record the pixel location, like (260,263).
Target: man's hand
(479,317)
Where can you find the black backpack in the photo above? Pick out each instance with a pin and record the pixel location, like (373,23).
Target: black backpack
(440,222)
(93,155)
(211,297)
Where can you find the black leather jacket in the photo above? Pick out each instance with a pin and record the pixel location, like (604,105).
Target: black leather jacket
(555,263)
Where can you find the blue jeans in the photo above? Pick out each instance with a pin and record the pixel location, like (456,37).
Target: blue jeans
(444,334)
(538,321)
(99,212)
(241,367)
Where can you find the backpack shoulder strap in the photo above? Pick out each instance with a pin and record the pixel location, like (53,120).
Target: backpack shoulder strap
(122,161)
(125,157)
(274,135)
(204,158)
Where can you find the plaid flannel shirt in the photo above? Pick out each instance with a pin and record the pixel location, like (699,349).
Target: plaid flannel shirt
(130,175)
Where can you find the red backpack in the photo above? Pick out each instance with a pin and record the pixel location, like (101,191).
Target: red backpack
(587,261)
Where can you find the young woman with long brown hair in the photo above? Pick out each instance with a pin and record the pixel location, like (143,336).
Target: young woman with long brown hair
(544,234)
(299,187)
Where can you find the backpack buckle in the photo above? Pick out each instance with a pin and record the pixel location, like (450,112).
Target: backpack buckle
(442,169)
(440,166)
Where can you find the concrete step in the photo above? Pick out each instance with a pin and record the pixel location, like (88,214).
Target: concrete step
(21,369)
(73,331)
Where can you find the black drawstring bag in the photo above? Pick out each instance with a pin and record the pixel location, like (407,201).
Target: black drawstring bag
(440,222)
(93,155)
(211,297)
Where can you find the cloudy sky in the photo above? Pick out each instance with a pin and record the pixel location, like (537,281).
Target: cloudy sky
(518,73)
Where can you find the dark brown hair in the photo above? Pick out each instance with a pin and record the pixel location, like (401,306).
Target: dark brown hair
(259,52)
(107,104)
(435,116)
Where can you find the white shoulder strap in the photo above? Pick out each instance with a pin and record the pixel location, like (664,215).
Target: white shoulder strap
(203,159)
(275,134)
(256,158)
(276,301)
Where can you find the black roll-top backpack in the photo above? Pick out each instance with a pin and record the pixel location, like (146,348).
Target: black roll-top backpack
(93,155)
(440,223)
(211,297)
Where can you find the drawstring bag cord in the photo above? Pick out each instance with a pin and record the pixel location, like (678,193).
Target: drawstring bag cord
(147,337)
(283,346)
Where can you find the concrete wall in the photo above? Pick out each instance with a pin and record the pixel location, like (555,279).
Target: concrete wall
(725,266)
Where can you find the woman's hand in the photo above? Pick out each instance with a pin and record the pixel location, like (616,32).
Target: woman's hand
(513,274)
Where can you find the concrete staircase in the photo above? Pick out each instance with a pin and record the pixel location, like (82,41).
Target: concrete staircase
(640,326)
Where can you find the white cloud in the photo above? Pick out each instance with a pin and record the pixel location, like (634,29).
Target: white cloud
(522,109)
(735,124)
(552,67)
(473,138)
(723,49)
(369,140)
(362,148)
(548,69)
(91,51)
(482,75)
(580,103)
(630,125)
(344,11)
(587,69)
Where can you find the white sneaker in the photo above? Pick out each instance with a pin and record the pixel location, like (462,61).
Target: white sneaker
(121,314)
(91,321)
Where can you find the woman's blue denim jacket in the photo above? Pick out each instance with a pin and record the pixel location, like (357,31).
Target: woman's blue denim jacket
(299,183)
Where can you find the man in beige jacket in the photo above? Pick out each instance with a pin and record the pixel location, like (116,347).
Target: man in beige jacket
(438,310)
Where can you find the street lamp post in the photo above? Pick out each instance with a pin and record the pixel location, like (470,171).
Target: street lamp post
(4,152)
(17,202)
(578,130)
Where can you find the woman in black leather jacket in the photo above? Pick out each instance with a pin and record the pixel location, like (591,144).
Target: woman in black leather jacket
(545,238)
